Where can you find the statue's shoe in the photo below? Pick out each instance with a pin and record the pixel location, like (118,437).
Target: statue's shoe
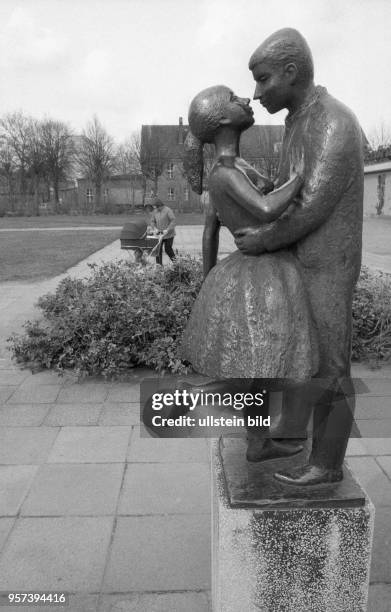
(264,450)
(307,475)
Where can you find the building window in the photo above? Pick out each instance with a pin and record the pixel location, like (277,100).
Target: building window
(171,194)
(90,195)
(170,170)
(186,194)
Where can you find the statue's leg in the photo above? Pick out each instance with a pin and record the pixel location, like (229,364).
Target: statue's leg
(296,409)
(260,446)
(333,420)
(334,406)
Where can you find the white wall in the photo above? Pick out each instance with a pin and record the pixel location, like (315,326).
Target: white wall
(370,194)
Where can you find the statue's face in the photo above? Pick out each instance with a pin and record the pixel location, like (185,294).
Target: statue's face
(273,87)
(237,111)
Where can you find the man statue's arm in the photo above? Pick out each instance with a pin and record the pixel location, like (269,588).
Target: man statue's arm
(325,181)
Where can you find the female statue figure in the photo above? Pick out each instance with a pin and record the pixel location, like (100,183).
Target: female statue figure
(251,318)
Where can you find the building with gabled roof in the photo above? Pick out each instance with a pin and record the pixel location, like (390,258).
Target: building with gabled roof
(162,153)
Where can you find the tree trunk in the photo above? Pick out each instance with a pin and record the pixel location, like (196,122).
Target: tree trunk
(98,190)
(36,194)
(132,194)
(23,187)
(10,193)
(56,195)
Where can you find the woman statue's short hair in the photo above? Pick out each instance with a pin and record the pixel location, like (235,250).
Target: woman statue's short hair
(205,113)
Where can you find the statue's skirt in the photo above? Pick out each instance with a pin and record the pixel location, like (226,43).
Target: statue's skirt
(252,319)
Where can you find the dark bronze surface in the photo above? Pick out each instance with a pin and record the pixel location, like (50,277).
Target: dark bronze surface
(242,313)
(324,229)
(253,485)
(251,318)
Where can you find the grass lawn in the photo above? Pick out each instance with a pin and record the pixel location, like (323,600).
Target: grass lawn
(88,220)
(37,255)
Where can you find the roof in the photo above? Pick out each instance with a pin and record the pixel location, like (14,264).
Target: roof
(257,141)
(165,138)
(378,168)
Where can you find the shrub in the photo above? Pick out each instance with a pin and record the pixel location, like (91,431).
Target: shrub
(372,317)
(120,317)
(124,316)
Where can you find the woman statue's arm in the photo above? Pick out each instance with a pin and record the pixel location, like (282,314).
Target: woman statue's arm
(210,239)
(265,207)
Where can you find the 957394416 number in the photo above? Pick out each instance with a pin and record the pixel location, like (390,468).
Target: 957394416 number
(28,598)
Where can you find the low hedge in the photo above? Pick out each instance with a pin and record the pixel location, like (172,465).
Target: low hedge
(120,317)
(124,316)
(372,317)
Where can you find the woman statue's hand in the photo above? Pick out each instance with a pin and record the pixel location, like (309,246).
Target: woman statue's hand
(266,187)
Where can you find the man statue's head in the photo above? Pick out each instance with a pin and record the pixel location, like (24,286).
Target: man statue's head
(283,69)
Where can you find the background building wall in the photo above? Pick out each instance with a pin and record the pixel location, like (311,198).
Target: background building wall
(374,176)
(260,146)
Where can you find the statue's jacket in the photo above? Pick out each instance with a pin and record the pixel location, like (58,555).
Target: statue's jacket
(324,227)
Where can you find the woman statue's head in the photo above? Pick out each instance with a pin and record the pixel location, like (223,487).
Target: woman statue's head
(215,107)
(211,110)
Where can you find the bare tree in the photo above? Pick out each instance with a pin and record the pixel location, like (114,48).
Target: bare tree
(128,157)
(15,128)
(35,159)
(153,154)
(58,150)
(96,157)
(23,135)
(128,161)
(8,168)
(380,136)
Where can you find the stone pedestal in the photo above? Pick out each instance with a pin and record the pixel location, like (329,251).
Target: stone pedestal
(278,548)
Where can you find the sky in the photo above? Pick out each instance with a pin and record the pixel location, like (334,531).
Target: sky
(132,62)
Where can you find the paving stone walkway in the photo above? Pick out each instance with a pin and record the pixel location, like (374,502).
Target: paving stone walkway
(119,521)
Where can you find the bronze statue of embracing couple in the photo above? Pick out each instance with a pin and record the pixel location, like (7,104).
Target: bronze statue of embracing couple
(280,306)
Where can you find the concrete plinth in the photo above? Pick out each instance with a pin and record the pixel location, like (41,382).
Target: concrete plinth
(278,548)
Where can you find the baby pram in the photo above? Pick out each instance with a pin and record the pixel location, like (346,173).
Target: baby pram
(136,237)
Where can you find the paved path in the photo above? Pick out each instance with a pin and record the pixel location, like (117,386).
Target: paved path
(119,521)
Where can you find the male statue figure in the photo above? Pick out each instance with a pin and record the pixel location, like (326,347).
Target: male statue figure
(323,229)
